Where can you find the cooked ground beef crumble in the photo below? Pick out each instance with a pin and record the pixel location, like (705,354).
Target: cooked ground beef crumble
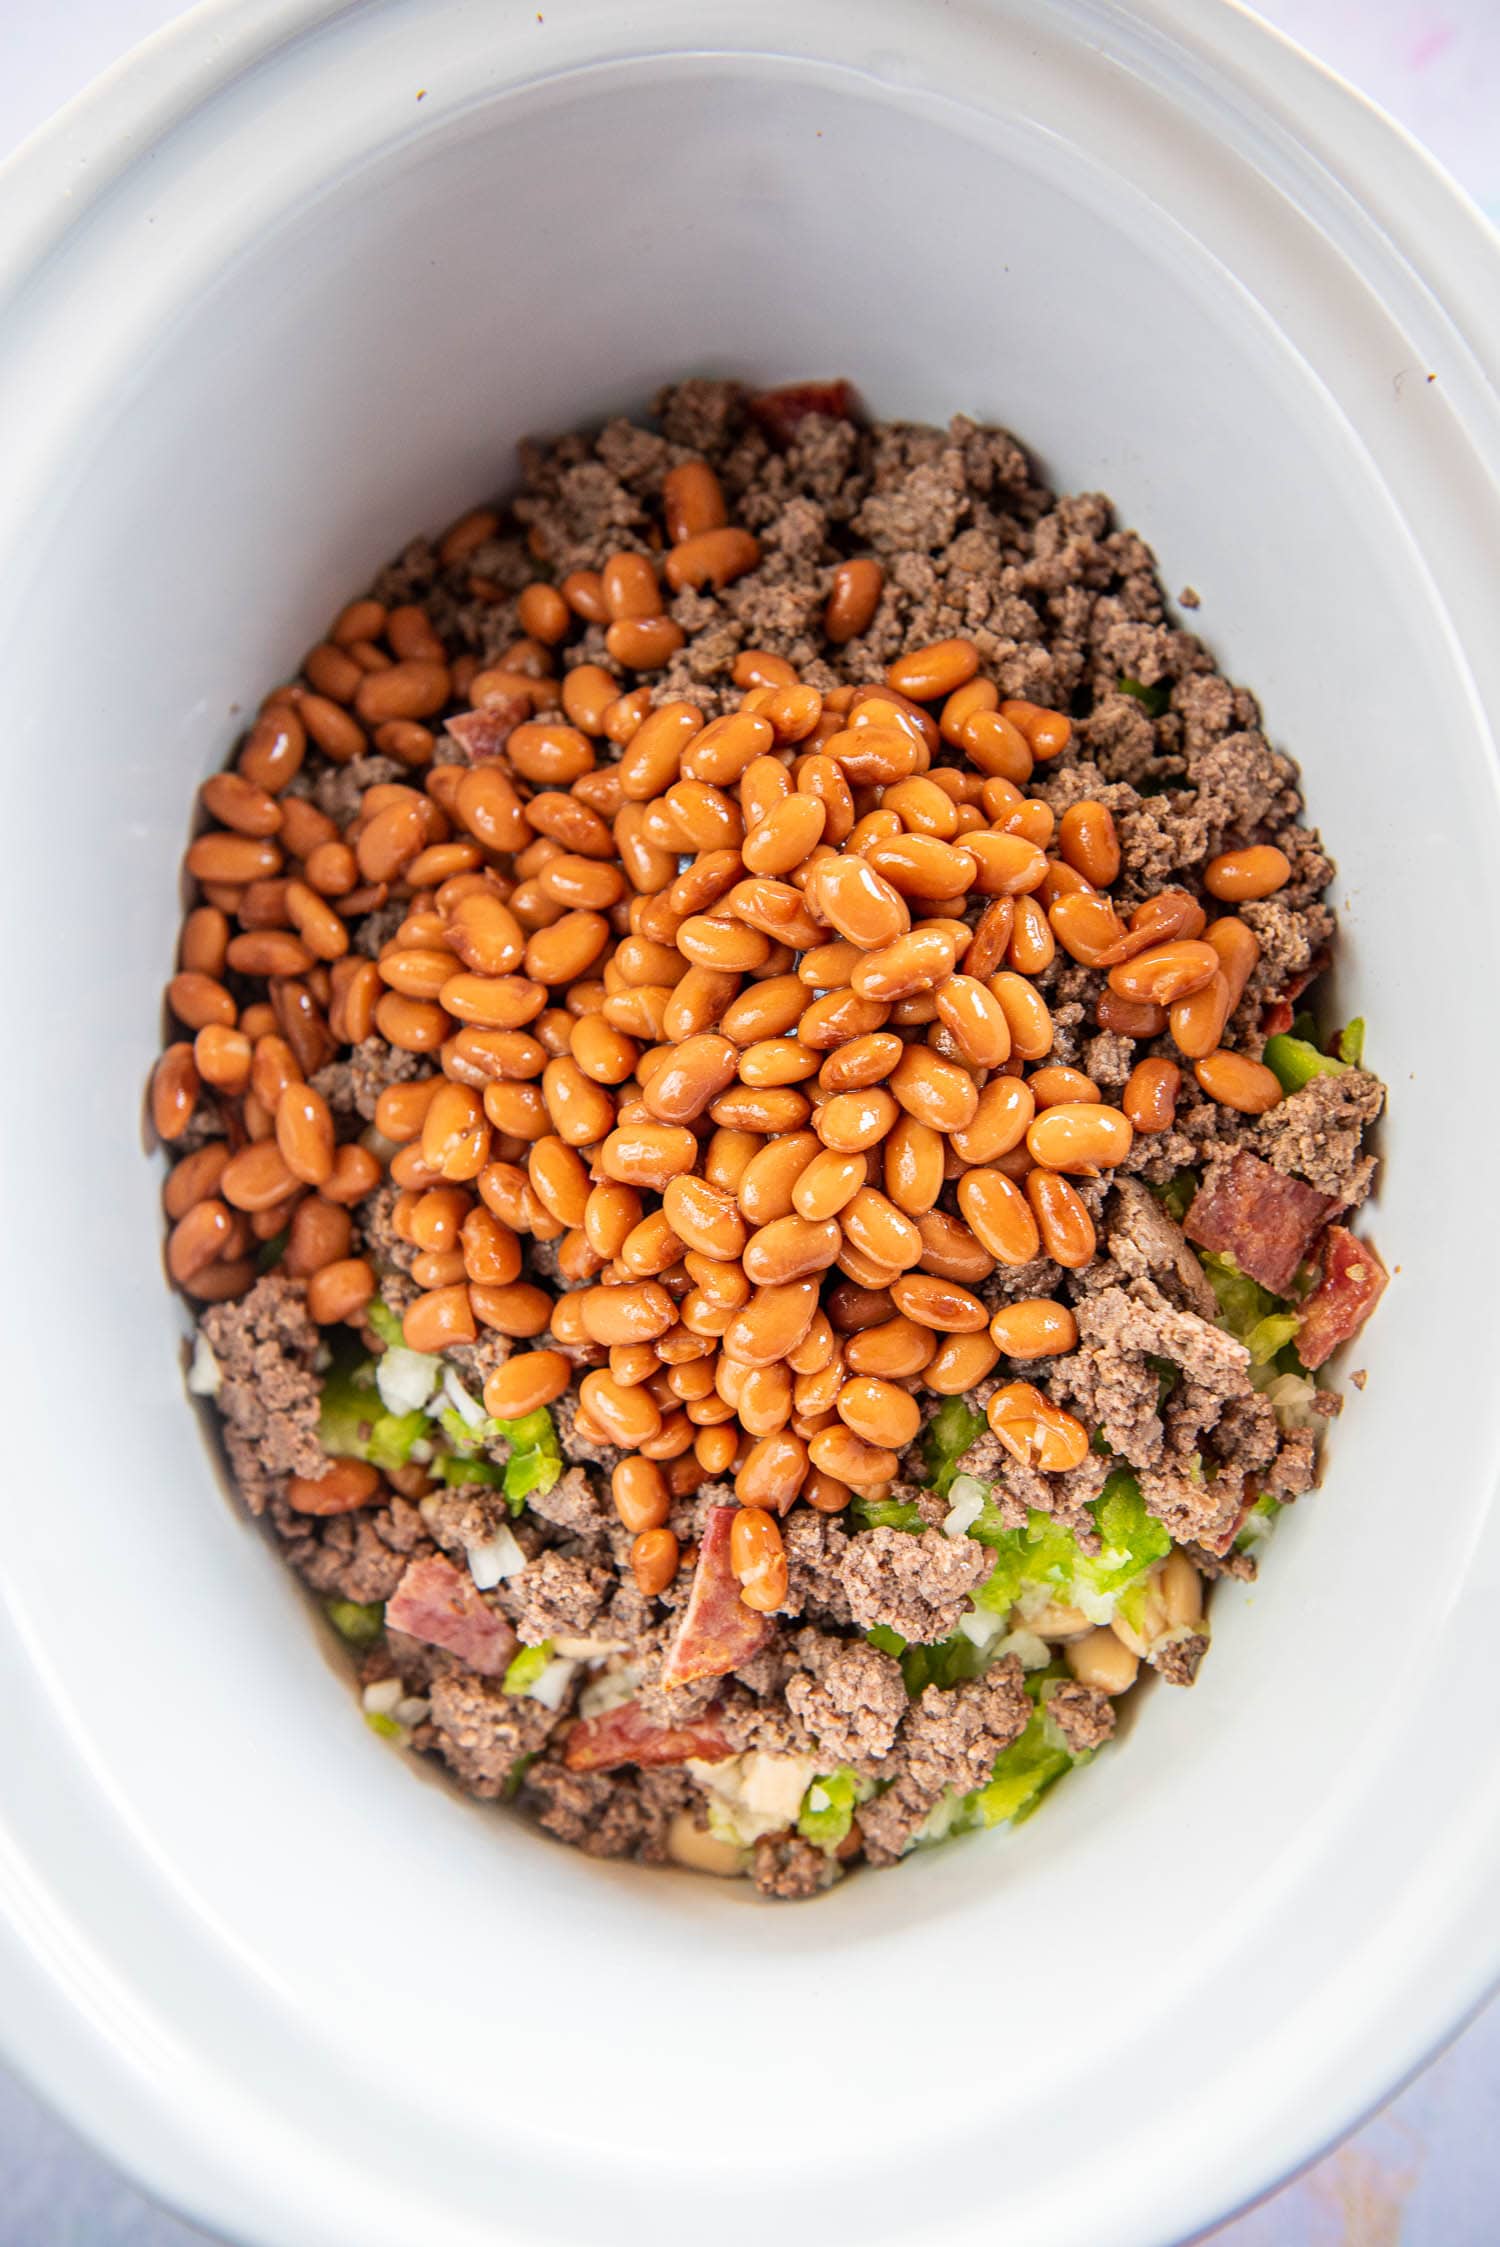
(945,1645)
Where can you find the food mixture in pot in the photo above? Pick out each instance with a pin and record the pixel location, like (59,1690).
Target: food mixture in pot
(763,1184)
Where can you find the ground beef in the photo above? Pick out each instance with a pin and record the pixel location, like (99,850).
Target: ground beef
(948,1745)
(1317,1134)
(1179,1659)
(573,1504)
(268,1396)
(919,1586)
(482,1732)
(359,1556)
(1083,1714)
(785,1865)
(353,1085)
(556,1595)
(607,1813)
(1146,1244)
(816,1546)
(849,1696)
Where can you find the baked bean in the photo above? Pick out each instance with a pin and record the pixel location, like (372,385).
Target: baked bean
(836,1450)
(1035,1431)
(867,1059)
(1064,1224)
(785,836)
(567,949)
(917,961)
(960,1362)
(435,1321)
(1005,865)
(938,669)
(711,557)
(647,1154)
(202,1235)
(768,1110)
(629,1417)
(1087,838)
(1129,1018)
(583,590)
(1000,1215)
(304,1134)
(1035,1327)
(880,1230)
(1237,875)
(404,691)
(938,1303)
(976,1020)
(1166,972)
(274,749)
(790,1248)
(1047,732)
(258,1177)
(642,643)
(879,1411)
(896,1350)
(1197,1023)
(692,501)
(1081,1137)
(194,1178)
(1087,926)
(998,747)
(1100,1660)
(777,1061)
(764,1397)
(340,1291)
(853,600)
(827,1184)
(343,1486)
(627,1314)
(913,1164)
(319,1234)
(638,1486)
(654,1560)
(852,1122)
(1026,1014)
(1237,1082)
(1055,1084)
(859,903)
(356,1172)
(820,777)
(1150,1095)
(514,1308)
(1237,949)
(772,1323)
(936,1092)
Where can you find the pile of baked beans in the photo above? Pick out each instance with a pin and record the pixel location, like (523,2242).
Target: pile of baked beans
(742,1016)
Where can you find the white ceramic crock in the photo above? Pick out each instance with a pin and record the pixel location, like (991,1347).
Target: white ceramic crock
(289,285)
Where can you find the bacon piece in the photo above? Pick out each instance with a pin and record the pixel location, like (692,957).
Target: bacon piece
(627,1735)
(1352,1283)
(779,412)
(1277,1019)
(438,1604)
(484,733)
(1263,1219)
(718,1632)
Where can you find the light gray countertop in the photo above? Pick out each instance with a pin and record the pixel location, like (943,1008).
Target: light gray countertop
(1425,2172)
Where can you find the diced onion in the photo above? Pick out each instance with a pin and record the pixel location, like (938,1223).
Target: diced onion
(552,1686)
(602,1694)
(981,1627)
(204,1377)
(1033,1653)
(968,1495)
(383,1698)
(468,1411)
(406,1379)
(496,1558)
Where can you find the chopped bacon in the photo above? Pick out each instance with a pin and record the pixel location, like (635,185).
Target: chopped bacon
(718,1632)
(627,1735)
(1263,1219)
(1277,1019)
(1352,1283)
(484,733)
(438,1604)
(780,411)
